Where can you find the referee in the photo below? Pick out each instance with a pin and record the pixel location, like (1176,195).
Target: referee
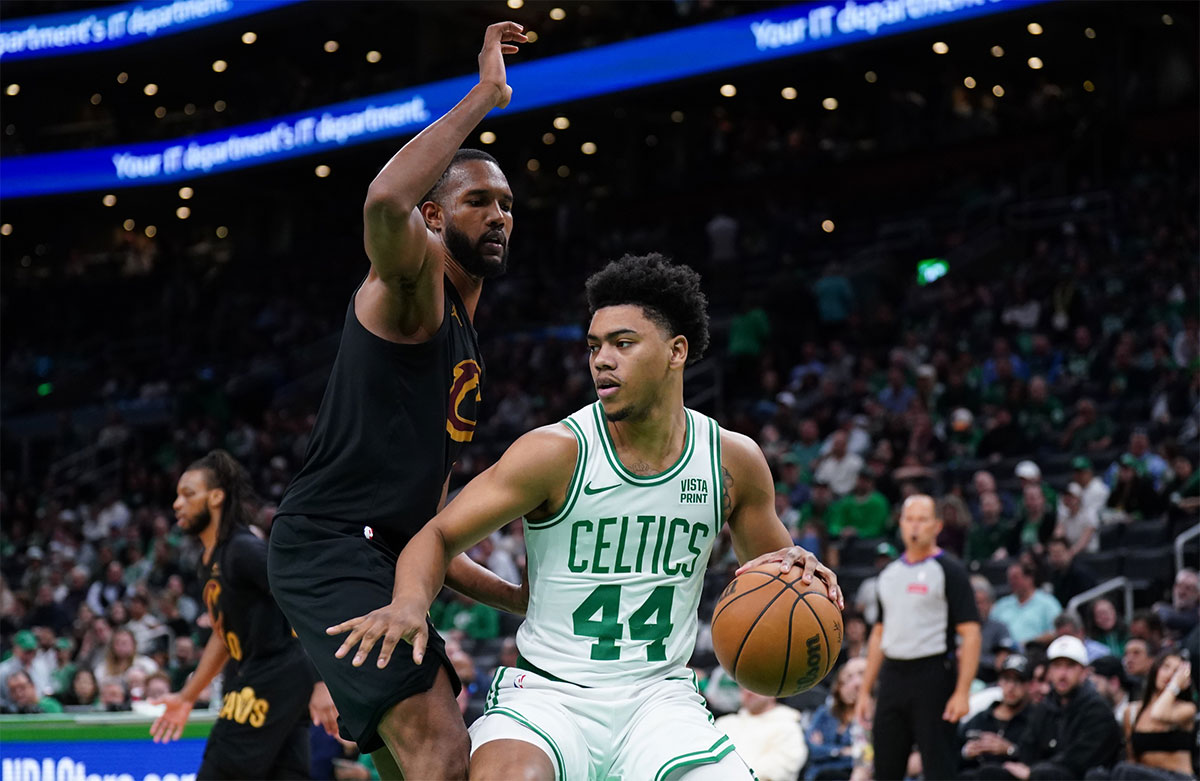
(925,598)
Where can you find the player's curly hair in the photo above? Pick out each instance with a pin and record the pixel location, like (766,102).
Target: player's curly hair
(461,156)
(668,293)
(223,471)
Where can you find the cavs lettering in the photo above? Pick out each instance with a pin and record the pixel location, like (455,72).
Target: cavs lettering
(244,707)
(465,395)
(212,597)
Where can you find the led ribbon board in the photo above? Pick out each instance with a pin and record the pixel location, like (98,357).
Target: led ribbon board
(650,60)
(76,32)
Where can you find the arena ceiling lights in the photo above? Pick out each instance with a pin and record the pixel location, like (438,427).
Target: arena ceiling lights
(690,51)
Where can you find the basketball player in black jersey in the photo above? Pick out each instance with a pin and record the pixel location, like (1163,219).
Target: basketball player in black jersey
(262,729)
(400,405)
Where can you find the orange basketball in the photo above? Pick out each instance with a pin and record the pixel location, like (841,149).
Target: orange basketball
(775,635)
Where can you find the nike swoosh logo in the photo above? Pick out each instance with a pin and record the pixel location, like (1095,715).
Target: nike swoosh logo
(587,489)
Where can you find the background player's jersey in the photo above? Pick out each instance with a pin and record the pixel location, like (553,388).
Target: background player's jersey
(616,575)
(239,602)
(391,425)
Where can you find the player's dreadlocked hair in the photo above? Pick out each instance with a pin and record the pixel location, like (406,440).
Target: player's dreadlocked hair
(460,157)
(223,471)
(669,294)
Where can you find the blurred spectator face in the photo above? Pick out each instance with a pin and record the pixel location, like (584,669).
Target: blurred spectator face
(21,690)
(1013,690)
(1182,467)
(1035,500)
(1086,409)
(1137,659)
(508,652)
(118,614)
(1071,502)
(123,644)
(114,572)
(838,445)
(1139,443)
(983,603)
(989,506)
(1170,665)
(102,630)
(78,579)
(84,686)
(1104,615)
(782,503)
(756,703)
(1019,581)
(1037,390)
(822,494)
(185,650)
(112,693)
(849,680)
(1083,339)
(1041,344)
(135,679)
(1040,687)
(809,431)
(1065,675)
(137,608)
(157,686)
(984,482)
(856,629)
(895,377)
(1185,595)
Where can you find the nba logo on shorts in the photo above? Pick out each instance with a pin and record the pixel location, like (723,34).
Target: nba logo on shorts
(519,683)
(368,532)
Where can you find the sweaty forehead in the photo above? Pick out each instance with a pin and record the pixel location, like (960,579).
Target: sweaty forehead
(478,175)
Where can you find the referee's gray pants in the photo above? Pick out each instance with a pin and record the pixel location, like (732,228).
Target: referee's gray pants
(912,698)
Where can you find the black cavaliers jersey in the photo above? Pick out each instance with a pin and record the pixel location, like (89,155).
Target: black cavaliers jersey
(239,601)
(391,425)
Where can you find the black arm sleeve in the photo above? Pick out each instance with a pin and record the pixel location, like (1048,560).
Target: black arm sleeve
(247,562)
(960,597)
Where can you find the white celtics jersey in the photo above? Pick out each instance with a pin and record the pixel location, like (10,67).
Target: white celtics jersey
(616,575)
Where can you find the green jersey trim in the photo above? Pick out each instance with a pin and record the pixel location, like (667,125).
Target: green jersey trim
(718,486)
(715,753)
(576,480)
(558,758)
(610,452)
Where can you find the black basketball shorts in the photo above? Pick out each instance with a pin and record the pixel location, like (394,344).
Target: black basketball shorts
(324,572)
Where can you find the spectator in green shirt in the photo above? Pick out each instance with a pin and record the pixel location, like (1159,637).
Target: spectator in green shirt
(864,512)
(989,533)
(23,696)
(476,620)
(1088,430)
(807,448)
(1041,415)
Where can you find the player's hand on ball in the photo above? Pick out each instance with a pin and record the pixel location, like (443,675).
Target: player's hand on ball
(169,725)
(810,567)
(391,624)
(498,41)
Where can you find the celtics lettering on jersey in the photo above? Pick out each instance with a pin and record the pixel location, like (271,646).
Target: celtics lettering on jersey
(616,575)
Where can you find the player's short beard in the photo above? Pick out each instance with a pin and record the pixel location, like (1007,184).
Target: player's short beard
(199,523)
(469,257)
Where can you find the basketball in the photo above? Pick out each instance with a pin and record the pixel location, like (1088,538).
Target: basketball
(775,635)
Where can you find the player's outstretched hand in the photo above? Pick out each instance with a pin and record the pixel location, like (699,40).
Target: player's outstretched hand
(322,710)
(498,41)
(811,567)
(169,726)
(391,624)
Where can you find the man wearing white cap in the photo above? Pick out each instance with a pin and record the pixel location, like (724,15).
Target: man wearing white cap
(1070,731)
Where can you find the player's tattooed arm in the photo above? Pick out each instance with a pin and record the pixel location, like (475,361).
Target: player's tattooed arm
(726,493)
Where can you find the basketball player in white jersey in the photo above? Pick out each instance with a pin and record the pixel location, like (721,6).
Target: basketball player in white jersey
(622,502)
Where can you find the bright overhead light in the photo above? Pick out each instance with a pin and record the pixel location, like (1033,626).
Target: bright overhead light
(998,91)
(374,56)
(548,138)
(321,171)
(12,89)
(677,117)
(219,106)
(788,93)
(189,108)
(532,164)
(160,112)
(186,193)
(122,77)
(1036,63)
(515,4)
(6,229)
(558,14)
(588,148)
(222,231)
(151,231)
(219,66)
(487,137)
(331,46)
(531,36)
(1088,86)
(150,89)
(829,104)
(728,90)
(109,200)
(969,82)
(561,123)
(249,37)
(96,98)
(183,212)
(564,171)
(1034,28)
(1168,20)
(871,77)
(129,225)
(1088,32)
(997,51)
(940,47)
(827,226)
